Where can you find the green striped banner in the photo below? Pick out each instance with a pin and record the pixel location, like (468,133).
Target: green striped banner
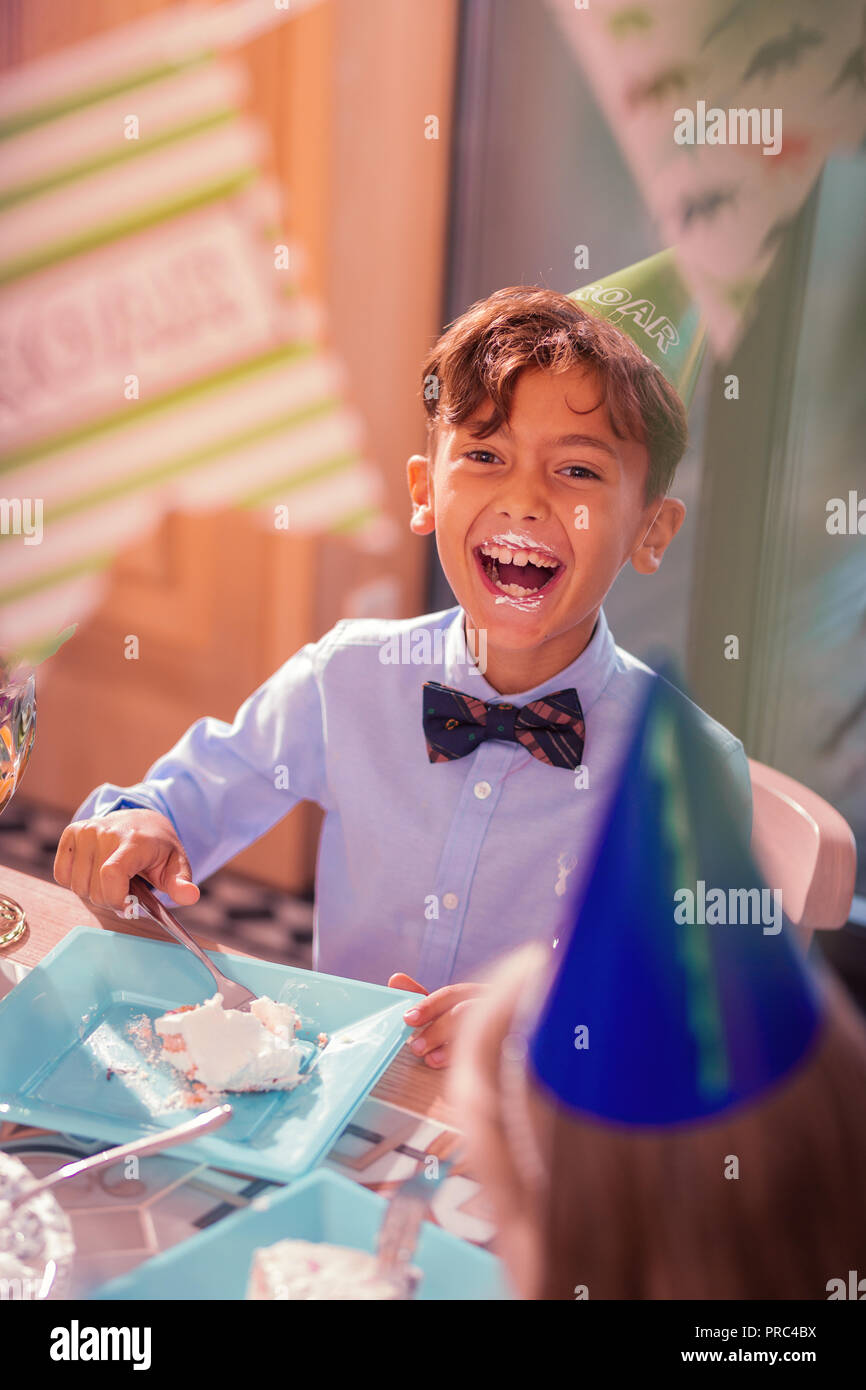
(257,418)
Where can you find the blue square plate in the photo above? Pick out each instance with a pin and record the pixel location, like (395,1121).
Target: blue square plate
(322,1206)
(68,1062)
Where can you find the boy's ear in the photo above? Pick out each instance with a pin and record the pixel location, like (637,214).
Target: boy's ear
(418,477)
(668,518)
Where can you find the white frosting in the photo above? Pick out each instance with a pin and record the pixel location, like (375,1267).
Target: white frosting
(304,1269)
(227,1050)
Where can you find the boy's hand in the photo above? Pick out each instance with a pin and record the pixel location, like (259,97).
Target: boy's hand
(436,1018)
(96,858)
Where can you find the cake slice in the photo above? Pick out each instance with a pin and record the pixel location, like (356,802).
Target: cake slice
(303,1269)
(227,1050)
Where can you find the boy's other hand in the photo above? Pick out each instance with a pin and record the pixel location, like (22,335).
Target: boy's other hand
(96,858)
(437,1018)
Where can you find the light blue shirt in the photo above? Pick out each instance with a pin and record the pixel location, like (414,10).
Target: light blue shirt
(433,869)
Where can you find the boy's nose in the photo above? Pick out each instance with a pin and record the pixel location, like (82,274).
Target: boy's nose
(530,512)
(523,497)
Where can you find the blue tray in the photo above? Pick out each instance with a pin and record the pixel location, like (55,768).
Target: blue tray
(68,1063)
(323,1206)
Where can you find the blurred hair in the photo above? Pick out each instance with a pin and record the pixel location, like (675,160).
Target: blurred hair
(634,1214)
(483,352)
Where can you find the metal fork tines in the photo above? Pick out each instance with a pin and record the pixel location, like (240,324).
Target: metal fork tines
(235,996)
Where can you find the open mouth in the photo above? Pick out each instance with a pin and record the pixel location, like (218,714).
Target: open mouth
(517,573)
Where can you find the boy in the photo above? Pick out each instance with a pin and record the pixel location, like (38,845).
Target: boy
(453,831)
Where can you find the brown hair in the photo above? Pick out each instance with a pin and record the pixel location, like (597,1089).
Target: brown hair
(482,353)
(651,1215)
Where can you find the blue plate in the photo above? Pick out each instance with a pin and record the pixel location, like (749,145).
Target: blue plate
(323,1206)
(72,1056)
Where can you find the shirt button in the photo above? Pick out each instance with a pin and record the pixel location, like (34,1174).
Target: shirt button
(482,790)
(450,900)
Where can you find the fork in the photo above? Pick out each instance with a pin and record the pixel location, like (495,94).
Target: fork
(183,1133)
(401,1226)
(235,996)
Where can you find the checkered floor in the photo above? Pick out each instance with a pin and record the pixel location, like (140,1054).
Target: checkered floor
(232,910)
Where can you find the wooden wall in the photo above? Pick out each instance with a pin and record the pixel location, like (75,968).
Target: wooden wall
(344,89)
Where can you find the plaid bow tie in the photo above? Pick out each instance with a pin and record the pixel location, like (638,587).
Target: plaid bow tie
(551,728)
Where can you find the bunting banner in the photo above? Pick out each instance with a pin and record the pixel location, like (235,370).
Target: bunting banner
(156,352)
(726,111)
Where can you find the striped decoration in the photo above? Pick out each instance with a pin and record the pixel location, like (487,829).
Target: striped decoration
(154,355)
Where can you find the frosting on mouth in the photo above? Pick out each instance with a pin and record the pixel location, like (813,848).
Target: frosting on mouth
(517,572)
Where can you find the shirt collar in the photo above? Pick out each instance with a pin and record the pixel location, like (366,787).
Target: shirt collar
(589,673)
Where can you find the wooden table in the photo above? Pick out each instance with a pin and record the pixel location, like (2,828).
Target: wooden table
(53,911)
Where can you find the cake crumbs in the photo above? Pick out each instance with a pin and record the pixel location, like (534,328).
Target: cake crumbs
(189,1093)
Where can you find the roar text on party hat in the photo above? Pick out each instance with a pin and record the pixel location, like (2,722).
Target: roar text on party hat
(651,303)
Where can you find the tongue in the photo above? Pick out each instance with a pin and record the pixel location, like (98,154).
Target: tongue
(529,576)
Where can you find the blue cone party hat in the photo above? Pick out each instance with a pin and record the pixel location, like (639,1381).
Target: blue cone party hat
(678,991)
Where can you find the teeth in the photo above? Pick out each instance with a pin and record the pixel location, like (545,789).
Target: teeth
(519,557)
(514,590)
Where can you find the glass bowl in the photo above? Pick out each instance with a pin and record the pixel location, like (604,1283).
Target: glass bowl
(36,1243)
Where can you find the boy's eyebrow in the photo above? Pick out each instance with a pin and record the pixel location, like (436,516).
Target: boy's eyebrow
(582,441)
(565,441)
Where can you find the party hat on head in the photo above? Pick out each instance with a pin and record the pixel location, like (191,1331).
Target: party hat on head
(651,303)
(677,990)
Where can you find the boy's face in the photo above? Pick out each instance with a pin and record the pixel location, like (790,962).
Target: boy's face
(534,522)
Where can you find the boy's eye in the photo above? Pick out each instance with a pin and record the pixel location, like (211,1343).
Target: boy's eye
(482,456)
(578,470)
(571,470)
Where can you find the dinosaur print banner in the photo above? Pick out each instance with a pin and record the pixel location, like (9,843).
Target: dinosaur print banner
(726,111)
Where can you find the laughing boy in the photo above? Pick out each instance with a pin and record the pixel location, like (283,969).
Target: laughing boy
(464,759)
